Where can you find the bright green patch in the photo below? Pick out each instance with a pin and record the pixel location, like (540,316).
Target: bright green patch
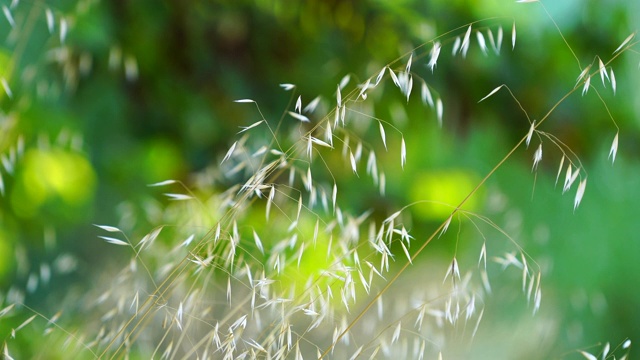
(439,192)
(52,176)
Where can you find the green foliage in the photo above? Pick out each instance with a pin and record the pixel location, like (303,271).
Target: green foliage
(290,231)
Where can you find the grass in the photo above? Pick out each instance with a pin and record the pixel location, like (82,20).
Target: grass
(273,261)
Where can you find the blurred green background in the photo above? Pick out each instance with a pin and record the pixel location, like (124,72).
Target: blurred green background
(142,91)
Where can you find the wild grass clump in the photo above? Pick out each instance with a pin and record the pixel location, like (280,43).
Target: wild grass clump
(261,255)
